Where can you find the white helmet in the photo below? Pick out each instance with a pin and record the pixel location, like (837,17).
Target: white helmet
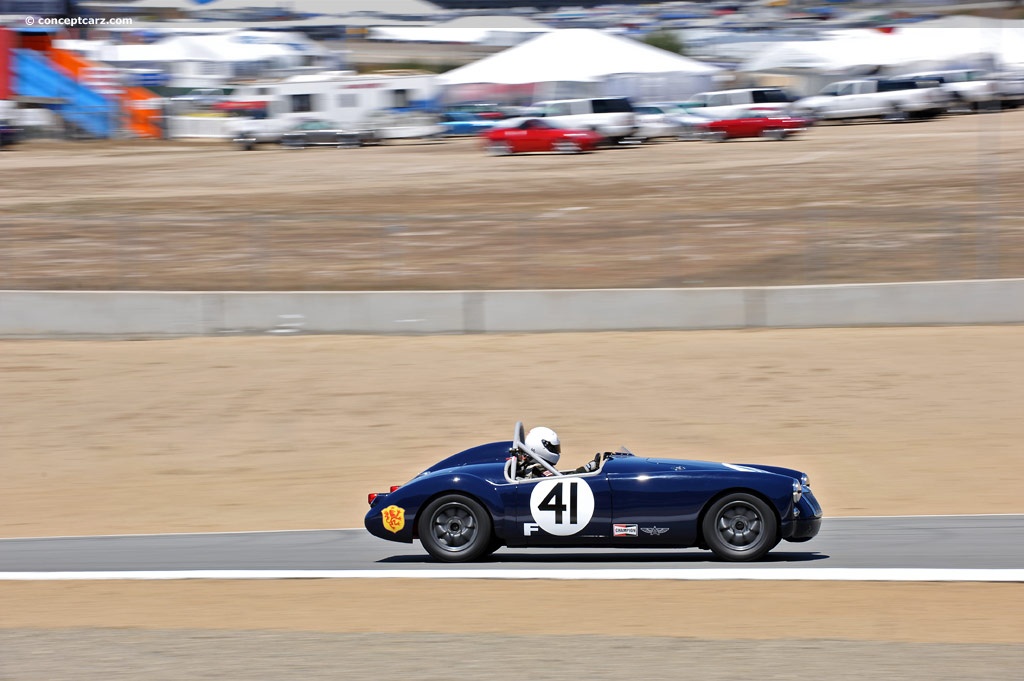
(543,443)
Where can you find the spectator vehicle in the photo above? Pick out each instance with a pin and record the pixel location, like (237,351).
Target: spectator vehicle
(754,122)
(726,103)
(485,110)
(200,98)
(311,133)
(10,134)
(612,117)
(386,124)
(657,121)
(456,123)
(524,135)
(477,501)
(968,89)
(895,99)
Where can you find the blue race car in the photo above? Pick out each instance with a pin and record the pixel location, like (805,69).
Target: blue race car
(474,502)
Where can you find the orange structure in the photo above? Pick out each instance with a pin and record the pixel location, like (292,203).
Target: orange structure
(141,107)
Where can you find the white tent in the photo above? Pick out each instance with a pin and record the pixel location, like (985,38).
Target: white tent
(996,45)
(581,62)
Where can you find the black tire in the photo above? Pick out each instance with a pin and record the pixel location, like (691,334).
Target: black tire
(566,147)
(740,527)
(455,529)
(499,148)
(897,115)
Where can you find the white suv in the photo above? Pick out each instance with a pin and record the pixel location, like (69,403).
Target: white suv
(727,103)
(612,117)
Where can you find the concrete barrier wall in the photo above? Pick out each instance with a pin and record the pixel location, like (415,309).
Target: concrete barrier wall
(34,314)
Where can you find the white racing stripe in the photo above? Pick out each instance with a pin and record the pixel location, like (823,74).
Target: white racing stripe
(752,574)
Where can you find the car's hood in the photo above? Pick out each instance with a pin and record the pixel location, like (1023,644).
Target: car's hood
(697,465)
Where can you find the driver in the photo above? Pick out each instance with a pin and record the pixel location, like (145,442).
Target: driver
(543,443)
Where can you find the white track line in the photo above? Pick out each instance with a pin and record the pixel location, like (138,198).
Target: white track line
(759,574)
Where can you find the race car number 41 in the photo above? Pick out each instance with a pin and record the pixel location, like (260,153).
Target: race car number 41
(562,507)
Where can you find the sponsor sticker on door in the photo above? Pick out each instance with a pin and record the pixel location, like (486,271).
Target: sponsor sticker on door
(620,530)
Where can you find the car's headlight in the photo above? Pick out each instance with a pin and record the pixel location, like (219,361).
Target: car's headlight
(798,491)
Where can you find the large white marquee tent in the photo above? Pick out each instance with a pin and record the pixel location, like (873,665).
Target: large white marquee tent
(995,45)
(577,63)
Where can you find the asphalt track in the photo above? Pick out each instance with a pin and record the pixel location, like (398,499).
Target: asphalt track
(992,545)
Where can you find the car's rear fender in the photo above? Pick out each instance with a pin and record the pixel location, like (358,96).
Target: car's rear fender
(486,493)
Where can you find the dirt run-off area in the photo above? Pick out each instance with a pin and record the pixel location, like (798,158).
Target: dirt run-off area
(868,202)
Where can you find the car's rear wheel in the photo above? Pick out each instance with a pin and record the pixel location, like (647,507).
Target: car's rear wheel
(740,527)
(499,148)
(774,134)
(455,529)
(715,136)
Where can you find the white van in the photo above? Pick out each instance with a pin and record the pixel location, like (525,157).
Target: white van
(612,117)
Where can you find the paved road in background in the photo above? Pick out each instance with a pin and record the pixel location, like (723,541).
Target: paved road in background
(952,542)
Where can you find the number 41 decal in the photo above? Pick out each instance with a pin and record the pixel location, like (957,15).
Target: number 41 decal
(562,506)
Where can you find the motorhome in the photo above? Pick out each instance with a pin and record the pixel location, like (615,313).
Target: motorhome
(344,97)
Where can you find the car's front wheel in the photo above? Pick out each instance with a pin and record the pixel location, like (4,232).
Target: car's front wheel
(499,148)
(740,527)
(455,529)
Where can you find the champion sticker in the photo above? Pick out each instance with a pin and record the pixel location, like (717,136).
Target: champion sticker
(619,530)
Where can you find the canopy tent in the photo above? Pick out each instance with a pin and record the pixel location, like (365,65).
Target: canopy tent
(234,46)
(580,62)
(998,45)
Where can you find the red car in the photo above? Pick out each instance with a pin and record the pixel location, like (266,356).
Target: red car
(536,134)
(754,122)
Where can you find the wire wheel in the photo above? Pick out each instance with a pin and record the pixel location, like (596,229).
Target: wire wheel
(455,529)
(740,527)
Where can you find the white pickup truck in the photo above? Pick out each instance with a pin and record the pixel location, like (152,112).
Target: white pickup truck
(974,89)
(889,98)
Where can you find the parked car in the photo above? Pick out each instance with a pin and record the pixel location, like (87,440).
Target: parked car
(728,103)
(386,124)
(457,123)
(754,122)
(317,132)
(485,110)
(657,121)
(613,117)
(894,99)
(10,134)
(200,97)
(538,134)
(479,500)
